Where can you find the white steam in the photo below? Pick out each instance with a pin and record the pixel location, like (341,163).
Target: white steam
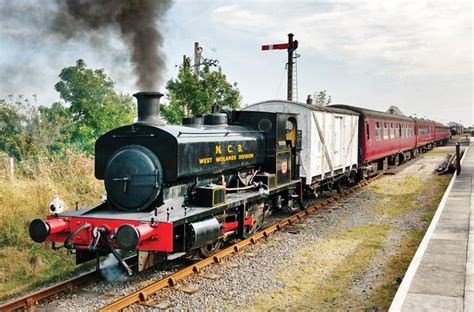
(111,270)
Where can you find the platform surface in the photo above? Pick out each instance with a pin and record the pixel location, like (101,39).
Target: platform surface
(441,274)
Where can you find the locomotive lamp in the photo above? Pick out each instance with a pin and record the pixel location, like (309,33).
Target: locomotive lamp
(57,205)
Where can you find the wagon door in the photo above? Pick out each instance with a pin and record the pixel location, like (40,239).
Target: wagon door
(337,140)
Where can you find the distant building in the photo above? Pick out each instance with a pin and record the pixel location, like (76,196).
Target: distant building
(395,111)
(456,128)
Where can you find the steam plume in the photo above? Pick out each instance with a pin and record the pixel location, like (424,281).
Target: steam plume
(111,271)
(134,19)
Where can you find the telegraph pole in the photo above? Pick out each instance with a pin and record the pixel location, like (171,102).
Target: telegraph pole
(186,65)
(197,58)
(290,67)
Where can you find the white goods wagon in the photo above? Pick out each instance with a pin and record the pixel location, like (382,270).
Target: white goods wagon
(329,139)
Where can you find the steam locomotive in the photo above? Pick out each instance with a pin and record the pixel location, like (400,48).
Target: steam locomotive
(177,189)
(172,189)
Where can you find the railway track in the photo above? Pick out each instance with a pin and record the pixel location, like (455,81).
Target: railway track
(143,295)
(32,299)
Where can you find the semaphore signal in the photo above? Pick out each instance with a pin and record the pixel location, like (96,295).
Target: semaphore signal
(291,46)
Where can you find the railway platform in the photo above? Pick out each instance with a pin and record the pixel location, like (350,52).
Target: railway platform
(441,274)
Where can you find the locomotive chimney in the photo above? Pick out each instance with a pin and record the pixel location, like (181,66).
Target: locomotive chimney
(148,108)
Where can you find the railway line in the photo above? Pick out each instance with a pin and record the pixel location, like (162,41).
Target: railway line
(142,296)
(30,300)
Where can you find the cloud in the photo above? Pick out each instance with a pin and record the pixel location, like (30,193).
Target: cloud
(408,38)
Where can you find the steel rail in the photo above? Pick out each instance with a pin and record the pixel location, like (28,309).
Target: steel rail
(144,294)
(29,300)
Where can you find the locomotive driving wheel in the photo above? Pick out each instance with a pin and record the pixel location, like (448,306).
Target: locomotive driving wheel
(210,250)
(257,212)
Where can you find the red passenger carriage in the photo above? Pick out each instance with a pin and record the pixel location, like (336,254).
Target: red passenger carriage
(383,137)
(425,134)
(442,133)
(390,138)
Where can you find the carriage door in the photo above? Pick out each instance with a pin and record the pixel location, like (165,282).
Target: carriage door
(337,141)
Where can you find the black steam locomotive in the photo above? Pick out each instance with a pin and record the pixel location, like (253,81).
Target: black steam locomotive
(172,189)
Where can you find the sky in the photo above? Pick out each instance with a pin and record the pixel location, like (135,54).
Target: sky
(416,55)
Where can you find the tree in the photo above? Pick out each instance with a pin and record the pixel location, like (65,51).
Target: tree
(321,98)
(200,94)
(56,123)
(94,106)
(19,127)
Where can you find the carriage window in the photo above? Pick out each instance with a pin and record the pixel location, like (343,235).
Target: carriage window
(398,132)
(367,130)
(392,131)
(378,131)
(385,131)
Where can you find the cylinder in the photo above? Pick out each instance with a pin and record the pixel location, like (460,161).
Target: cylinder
(148,108)
(202,233)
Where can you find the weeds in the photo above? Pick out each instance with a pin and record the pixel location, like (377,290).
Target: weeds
(23,263)
(396,266)
(322,272)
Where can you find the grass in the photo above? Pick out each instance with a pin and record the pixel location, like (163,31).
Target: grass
(321,272)
(324,275)
(444,150)
(23,263)
(396,266)
(397,196)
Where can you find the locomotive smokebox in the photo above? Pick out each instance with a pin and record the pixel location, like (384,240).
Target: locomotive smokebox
(148,107)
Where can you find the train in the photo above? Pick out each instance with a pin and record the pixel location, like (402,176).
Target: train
(175,190)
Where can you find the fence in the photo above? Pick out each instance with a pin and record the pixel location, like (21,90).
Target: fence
(7,167)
